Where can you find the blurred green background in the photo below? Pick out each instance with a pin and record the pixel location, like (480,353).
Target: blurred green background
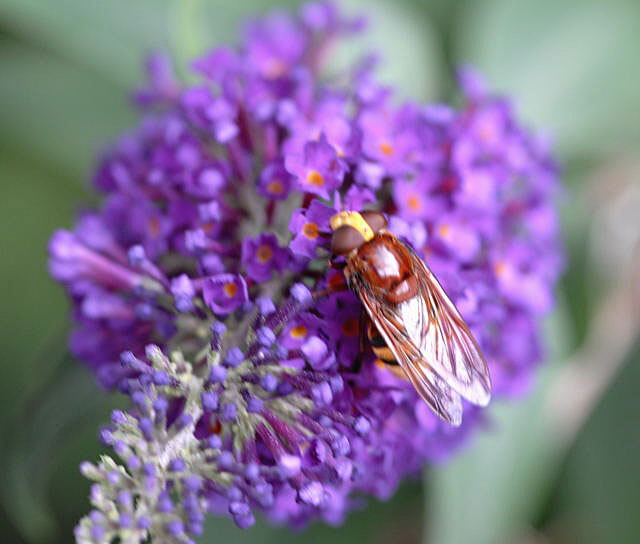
(560,466)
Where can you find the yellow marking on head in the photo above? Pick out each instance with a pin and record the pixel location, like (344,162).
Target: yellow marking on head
(353,220)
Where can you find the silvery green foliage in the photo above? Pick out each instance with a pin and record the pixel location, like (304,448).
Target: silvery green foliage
(166,477)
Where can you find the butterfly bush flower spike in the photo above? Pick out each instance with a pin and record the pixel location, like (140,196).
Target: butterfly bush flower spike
(192,283)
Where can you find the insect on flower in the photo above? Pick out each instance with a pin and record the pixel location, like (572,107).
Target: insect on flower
(410,321)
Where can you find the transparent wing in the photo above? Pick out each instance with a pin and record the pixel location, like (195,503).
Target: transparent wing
(390,321)
(441,336)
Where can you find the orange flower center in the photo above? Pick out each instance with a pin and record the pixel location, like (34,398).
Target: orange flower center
(444,230)
(154,226)
(275,187)
(310,230)
(299,331)
(264,254)
(386,148)
(230,289)
(350,327)
(413,202)
(315,178)
(275,68)
(487,132)
(499,268)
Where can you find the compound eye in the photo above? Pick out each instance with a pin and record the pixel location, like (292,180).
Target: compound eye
(345,239)
(377,221)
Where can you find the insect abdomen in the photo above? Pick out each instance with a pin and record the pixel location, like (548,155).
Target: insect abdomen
(379,346)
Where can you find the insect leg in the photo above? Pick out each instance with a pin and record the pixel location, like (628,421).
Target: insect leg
(335,284)
(364,323)
(328,291)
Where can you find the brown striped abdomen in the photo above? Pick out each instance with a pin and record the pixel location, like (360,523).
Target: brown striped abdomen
(379,346)
(385,356)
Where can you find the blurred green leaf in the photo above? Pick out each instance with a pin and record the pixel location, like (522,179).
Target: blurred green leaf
(571,66)
(57,111)
(494,487)
(197,25)
(106,37)
(413,63)
(402,35)
(598,491)
(396,520)
(36,200)
(578,284)
(111,38)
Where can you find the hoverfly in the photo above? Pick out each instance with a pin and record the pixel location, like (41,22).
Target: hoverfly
(412,324)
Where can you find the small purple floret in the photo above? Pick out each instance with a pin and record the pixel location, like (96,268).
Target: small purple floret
(209,401)
(218,374)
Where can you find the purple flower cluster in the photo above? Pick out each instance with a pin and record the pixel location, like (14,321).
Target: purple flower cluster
(214,231)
